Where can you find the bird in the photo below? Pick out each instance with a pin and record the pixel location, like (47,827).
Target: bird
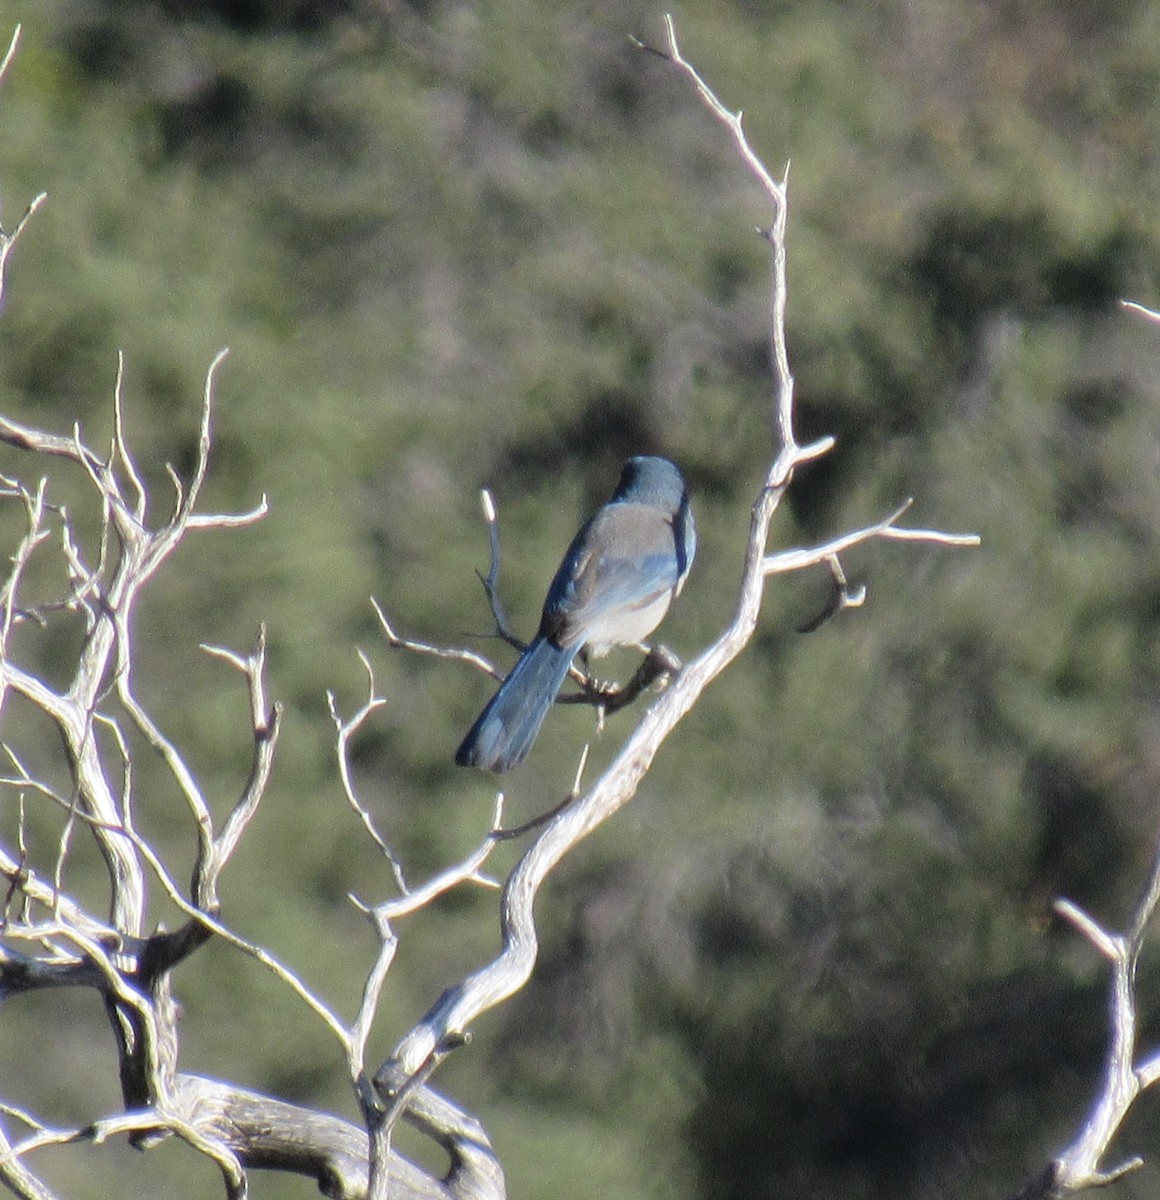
(613,587)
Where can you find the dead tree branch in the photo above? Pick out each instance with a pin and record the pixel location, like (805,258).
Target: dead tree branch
(8,240)
(50,939)
(1079,1166)
(497,980)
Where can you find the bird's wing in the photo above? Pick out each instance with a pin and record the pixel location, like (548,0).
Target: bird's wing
(623,560)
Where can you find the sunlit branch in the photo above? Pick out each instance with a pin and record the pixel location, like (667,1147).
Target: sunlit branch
(499,979)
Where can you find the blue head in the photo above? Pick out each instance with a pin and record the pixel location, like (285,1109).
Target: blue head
(654,481)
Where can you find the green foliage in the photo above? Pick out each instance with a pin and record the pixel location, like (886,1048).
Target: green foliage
(454,247)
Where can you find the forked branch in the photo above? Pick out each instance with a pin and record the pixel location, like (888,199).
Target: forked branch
(1080,1165)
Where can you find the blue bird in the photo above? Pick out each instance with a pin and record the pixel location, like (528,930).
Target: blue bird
(615,584)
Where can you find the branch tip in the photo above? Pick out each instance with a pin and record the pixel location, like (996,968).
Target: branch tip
(10,53)
(1110,946)
(1141,310)
(815,450)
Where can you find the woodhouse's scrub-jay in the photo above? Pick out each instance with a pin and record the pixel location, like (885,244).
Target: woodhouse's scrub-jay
(612,589)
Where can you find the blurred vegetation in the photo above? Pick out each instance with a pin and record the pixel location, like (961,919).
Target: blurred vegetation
(456,245)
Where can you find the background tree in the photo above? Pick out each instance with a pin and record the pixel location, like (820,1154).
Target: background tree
(443,249)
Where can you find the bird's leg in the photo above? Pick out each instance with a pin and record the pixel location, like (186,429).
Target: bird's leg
(659,663)
(592,690)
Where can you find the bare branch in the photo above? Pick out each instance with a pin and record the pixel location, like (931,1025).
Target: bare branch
(398,642)
(1079,1165)
(1149,314)
(265,720)
(129,961)
(38,441)
(797,560)
(490,581)
(345,731)
(258,953)
(204,440)
(20,877)
(8,240)
(174,761)
(469,870)
(381,1111)
(10,53)
(1110,946)
(493,983)
(777,193)
(121,453)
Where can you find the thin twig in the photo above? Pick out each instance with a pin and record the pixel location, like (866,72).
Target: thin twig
(10,53)
(265,723)
(397,642)
(8,240)
(797,560)
(490,581)
(346,730)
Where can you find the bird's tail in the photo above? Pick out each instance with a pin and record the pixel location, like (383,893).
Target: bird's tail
(504,732)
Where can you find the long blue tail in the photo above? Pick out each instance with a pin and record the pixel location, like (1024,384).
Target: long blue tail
(504,732)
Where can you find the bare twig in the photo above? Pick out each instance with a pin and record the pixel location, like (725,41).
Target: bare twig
(346,729)
(8,240)
(265,721)
(397,642)
(490,581)
(10,53)
(1140,310)
(797,560)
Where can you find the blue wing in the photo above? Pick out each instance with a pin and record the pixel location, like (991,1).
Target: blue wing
(623,561)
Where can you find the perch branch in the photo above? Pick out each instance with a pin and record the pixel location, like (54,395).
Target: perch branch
(493,983)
